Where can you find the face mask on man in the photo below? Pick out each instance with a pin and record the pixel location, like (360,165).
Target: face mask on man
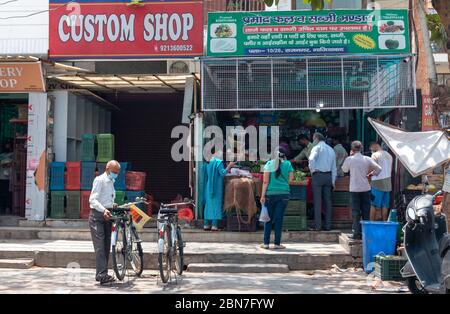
(113,176)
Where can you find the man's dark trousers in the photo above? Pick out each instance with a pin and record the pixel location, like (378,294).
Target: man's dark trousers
(101,238)
(360,202)
(322,185)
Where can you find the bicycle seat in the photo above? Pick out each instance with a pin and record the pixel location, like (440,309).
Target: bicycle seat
(168,211)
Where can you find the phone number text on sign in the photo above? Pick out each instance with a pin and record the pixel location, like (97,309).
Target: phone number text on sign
(176,48)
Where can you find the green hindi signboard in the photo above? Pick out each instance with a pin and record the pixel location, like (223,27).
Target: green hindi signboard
(308,32)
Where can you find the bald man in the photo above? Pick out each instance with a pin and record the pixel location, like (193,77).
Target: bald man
(101,201)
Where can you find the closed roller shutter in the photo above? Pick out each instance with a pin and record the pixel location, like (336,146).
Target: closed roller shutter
(142,132)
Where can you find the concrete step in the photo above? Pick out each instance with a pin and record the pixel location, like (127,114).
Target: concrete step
(17,263)
(237,268)
(150,235)
(298,256)
(352,247)
(65,223)
(10,221)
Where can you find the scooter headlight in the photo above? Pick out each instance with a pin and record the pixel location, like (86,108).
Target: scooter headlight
(411,213)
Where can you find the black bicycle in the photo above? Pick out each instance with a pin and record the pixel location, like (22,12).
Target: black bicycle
(125,241)
(170,241)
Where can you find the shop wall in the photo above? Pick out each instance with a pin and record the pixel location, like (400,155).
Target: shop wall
(26,36)
(142,132)
(74,116)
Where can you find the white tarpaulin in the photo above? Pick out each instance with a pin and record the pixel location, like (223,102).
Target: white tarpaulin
(419,152)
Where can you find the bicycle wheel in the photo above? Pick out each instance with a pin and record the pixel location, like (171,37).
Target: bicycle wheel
(136,254)
(164,257)
(119,251)
(179,251)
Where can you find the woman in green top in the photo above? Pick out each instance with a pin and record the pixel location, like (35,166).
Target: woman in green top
(278,173)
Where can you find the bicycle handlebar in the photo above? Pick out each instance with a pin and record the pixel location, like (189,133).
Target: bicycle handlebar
(178,204)
(127,206)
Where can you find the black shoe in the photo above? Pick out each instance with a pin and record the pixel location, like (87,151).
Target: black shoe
(355,237)
(326,229)
(107,279)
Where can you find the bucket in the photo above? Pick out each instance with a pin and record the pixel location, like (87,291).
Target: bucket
(377,237)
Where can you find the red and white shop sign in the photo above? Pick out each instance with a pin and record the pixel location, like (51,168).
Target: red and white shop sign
(115,29)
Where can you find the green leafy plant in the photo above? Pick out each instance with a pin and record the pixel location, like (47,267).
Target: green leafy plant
(317,5)
(437,29)
(269,3)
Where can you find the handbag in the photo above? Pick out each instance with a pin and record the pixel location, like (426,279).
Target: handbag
(264,216)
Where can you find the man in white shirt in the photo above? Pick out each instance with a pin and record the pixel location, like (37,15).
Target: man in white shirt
(359,167)
(322,163)
(101,202)
(381,184)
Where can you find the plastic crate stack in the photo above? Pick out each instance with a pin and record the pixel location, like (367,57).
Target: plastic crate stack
(71,182)
(342,211)
(295,217)
(65,190)
(135,187)
(105,147)
(388,267)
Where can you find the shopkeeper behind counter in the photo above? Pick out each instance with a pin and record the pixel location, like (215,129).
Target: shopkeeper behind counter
(303,140)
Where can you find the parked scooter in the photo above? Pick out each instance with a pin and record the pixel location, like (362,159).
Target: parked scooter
(427,247)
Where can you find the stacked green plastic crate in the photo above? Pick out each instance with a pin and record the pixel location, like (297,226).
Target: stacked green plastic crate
(105,147)
(295,218)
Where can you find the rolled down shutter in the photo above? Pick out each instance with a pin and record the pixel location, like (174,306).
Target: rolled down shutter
(142,132)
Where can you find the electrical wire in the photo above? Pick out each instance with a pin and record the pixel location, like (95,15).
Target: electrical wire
(6,2)
(34,13)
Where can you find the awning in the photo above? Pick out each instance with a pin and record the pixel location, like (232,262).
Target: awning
(419,152)
(126,83)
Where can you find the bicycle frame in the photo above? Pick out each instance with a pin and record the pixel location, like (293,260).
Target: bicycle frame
(168,221)
(163,223)
(126,222)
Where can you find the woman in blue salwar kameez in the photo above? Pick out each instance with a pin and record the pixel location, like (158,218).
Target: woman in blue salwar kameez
(214,190)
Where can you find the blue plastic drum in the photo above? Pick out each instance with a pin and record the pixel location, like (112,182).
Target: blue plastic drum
(377,237)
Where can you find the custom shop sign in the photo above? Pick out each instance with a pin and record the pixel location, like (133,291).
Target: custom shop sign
(308,32)
(115,29)
(21,77)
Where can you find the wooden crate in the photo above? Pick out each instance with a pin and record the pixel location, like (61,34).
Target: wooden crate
(342,184)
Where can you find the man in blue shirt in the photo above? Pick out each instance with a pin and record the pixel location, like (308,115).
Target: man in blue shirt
(322,163)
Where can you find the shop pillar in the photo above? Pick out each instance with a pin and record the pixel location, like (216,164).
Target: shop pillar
(36,157)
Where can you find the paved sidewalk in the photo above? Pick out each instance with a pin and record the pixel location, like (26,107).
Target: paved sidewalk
(74,281)
(191,247)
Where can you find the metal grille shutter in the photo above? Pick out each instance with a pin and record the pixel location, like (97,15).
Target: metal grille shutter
(142,132)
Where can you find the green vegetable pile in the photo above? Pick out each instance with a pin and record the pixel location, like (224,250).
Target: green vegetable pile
(299,176)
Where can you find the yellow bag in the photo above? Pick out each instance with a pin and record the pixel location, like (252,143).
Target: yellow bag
(139,217)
